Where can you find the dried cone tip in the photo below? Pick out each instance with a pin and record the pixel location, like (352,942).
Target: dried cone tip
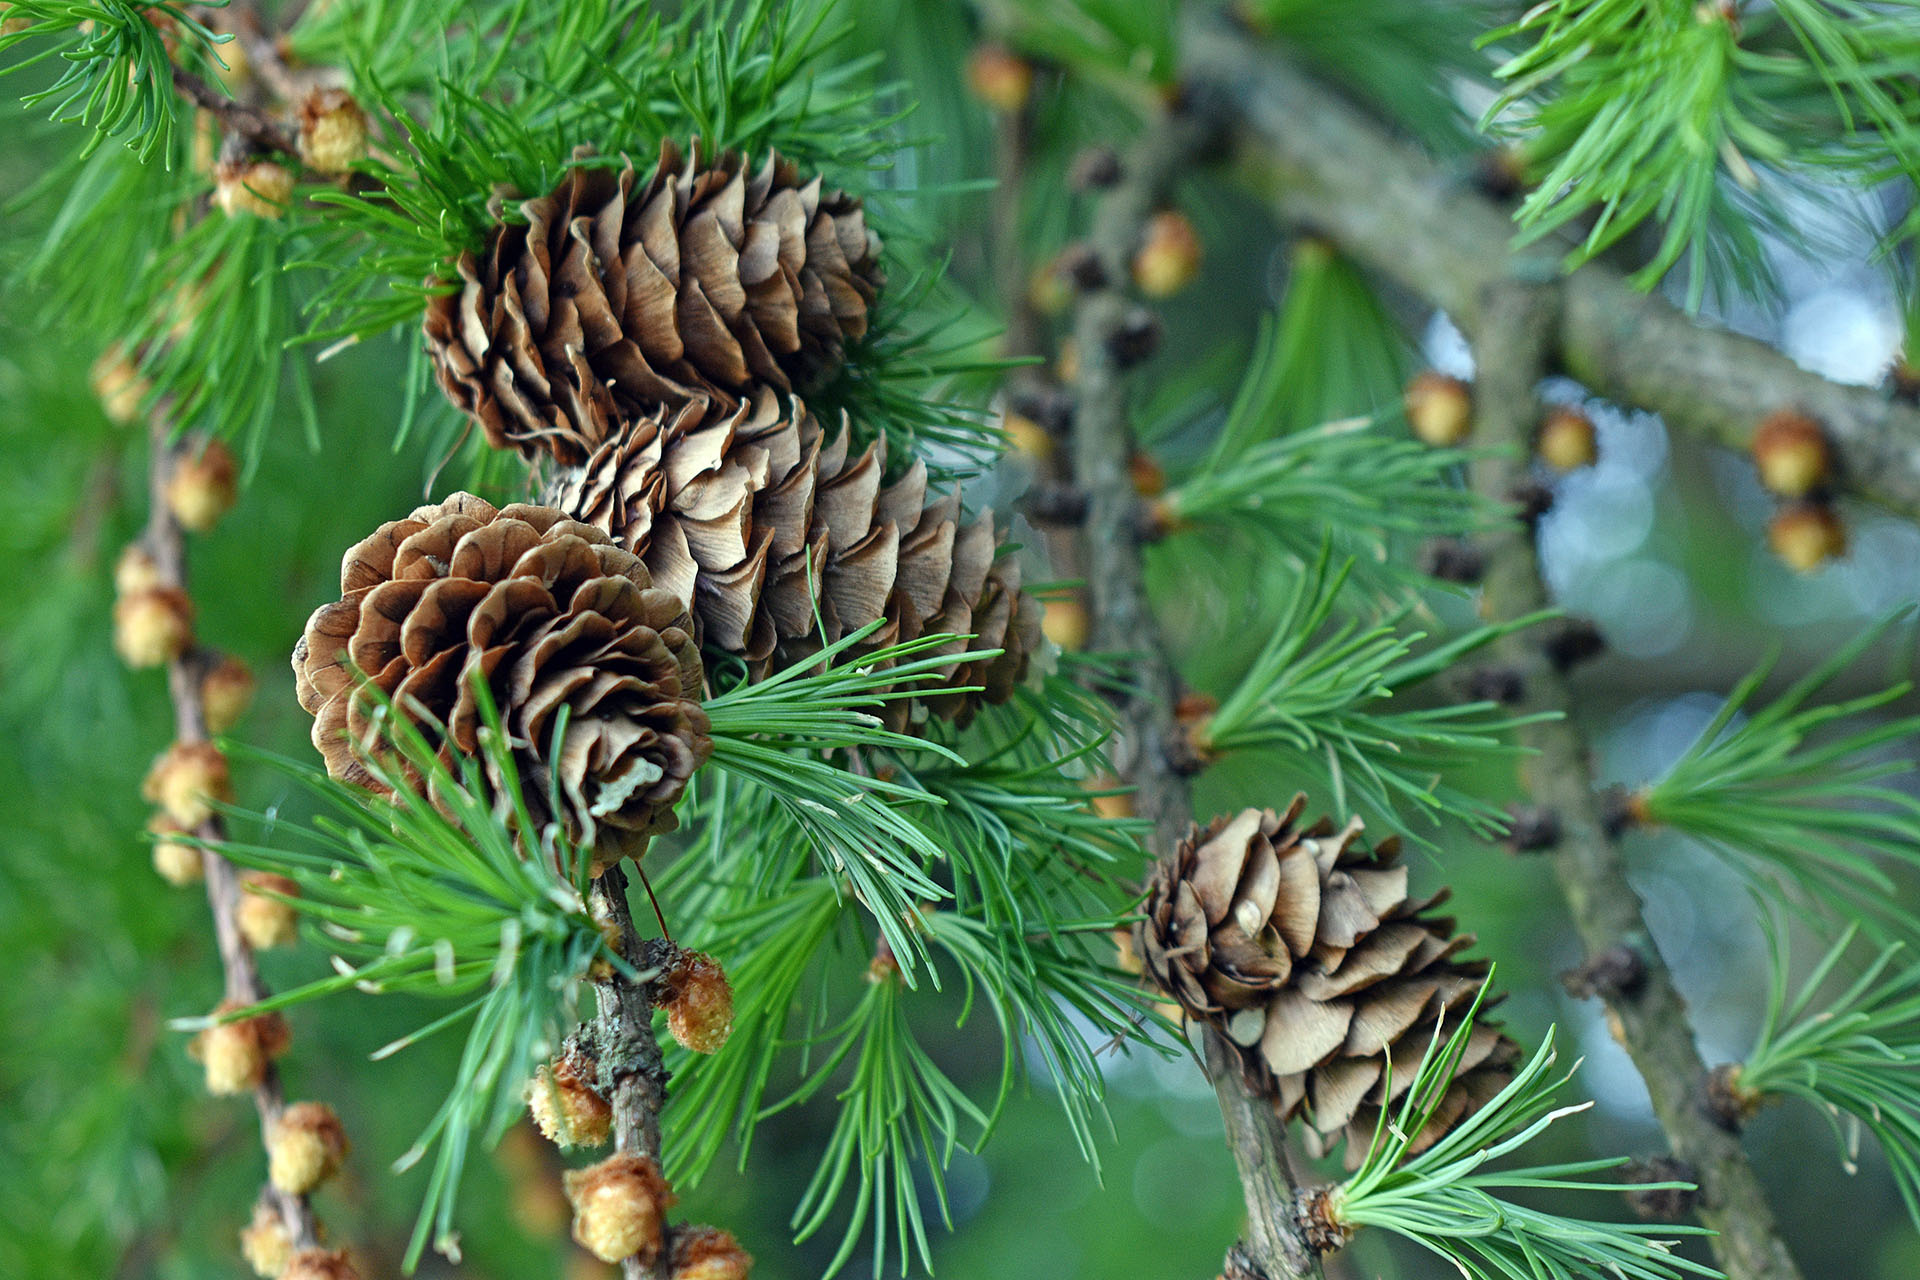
(618,1208)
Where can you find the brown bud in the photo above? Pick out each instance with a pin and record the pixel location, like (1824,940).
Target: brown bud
(136,570)
(999,77)
(267,921)
(1148,476)
(259,187)
(236,1054)
(1169,255)
(1566,438)
(226,691)
(119,385)
(1439,408)
(305,1147)
(202,486)
(698,1000)
(1791,453)
(265,1243)
(618,1206)
(153,627)
(707,1253)
(186,780)
(1064,621)
(567,1108)
(333,131)
(178,862)
(320,1264)
(1805,535)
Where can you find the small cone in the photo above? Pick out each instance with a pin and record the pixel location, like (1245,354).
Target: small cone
(179,863)
(566,1107)
(152,627)
(120,385)
(266,921)
(203,486)
(1301,946)
(699,1002)
(187,780)
(333,131)
(260,189)
(236,1054)
(1439,408)
(1169,255)
(264,1242)
(1566,439)
(1791,452)
(226,691)
(135,571)
(1805,535)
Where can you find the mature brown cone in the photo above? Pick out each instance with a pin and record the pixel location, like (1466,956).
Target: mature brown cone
(762,521)
(616,296)
(555,616)
(1301,946)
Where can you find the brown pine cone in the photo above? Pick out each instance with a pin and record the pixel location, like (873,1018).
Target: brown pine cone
(763,522)
(554,615)
(617,296)
(1302,947)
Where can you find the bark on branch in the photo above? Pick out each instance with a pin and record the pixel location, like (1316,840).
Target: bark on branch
(1122,622)
(1514,331)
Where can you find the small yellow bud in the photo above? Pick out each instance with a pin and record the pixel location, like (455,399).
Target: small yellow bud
(999,77)
(1064,621)
(226,691)
(1117,804)
(260,187)
(565,1105)
(320,1264)
(1169,255)
(1066,362)
(1049,291)
(707,1253)
(265,1243)
(618,1208)
(1791,453)
(1027,437)
(333,131)
(202,486)
(1805,535)
(1439,408)
(236,1054)
(136,570)
(305,1147)
(119,385)
(1566,439)
(178,862)
(153,627)
(267,921)
(186,780)
(699,1002)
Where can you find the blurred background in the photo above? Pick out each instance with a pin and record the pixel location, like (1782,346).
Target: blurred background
(113,1162)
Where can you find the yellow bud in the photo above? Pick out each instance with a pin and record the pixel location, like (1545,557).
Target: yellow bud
(1805,535)
(153,627)
(178,862)
(235,1054)
(1566,439)
(618,1208)
(567,1108)
(320,1264)
(265,1243)
(119,385)
(305,1147)
(260,187)
(136,570)
(202,486)
(699,1002)
(1064,621)
(999,77)
(1439,408)
(333,131)
(1027,437)
(267,921)
(226,691)
(707,1253)
(1791,453)
(186,780)
(1169,255)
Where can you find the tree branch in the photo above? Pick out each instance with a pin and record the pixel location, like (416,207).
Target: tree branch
(1515,330)
(236,118)
(629,1052)
(1122,622)
(1324,164)
(166,543)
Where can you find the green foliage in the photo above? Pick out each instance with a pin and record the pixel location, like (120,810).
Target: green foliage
(1671,110)
(1314,696)
(117,71)
(1447,1202)
(440,897)
(1852,1055)
(1124,45)
(1810,817)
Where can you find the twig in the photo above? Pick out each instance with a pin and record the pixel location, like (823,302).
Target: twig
(1515,331)
(630,1053)
(166,543)
(236,118)
(1325,165)
(1122,621)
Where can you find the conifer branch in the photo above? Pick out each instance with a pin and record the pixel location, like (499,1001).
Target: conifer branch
(165,541)
(1326,166)
(236,117)
(1511,345)
(1122,622)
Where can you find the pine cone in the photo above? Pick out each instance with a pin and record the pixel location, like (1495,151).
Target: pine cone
(762,522)
(615,297)
(1302,947)
(554,616)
